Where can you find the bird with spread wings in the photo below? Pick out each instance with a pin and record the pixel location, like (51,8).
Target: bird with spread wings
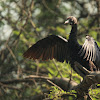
(59,48)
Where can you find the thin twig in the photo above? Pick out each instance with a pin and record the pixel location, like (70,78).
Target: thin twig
(55,85)
(14,57)
(49,9)
(57,68)
(10,87)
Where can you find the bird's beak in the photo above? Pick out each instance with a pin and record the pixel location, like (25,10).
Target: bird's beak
(66,22)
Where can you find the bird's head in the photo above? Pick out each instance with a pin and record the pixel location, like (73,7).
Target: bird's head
(71,20)
(90,39)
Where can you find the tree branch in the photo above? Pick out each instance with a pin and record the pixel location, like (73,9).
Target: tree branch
(63,83)
(83,88)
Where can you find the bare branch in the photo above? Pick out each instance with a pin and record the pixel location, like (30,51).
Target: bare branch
(83,88)
(63,83)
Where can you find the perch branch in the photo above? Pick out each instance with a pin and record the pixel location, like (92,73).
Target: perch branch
(83,88)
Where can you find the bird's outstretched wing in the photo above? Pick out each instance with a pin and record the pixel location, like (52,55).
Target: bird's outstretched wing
(90,51)
(48,48)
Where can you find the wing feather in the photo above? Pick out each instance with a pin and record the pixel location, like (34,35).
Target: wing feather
(48,48)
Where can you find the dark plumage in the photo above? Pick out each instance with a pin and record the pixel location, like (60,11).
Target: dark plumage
(48,48)
(60,49)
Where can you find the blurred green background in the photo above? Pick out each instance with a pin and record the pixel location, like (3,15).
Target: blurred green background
(22,23)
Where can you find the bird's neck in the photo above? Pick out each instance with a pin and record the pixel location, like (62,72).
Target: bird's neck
(73,34)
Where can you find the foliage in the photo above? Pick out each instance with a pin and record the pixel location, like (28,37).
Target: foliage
(95,94)
(56,94)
